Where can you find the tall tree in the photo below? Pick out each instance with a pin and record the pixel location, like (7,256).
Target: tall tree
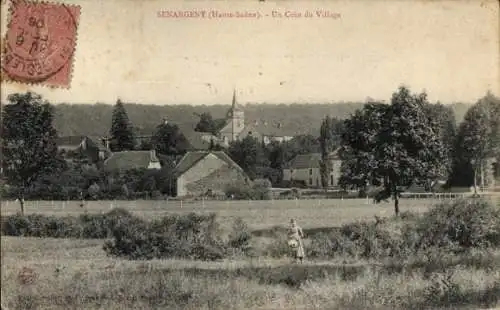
(392,146)
(246,154)
(478,140)
(122,133)
(28,142)
(445,126)
(169,140)
(326,140)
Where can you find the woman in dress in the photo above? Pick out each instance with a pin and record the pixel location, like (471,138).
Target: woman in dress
(295,236)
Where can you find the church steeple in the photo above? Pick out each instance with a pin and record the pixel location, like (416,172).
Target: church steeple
(233,105)
(233,111)
(235,119)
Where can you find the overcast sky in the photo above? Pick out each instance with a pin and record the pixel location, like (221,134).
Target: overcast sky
(449,49)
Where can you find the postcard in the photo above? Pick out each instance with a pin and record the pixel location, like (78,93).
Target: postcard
(250,154)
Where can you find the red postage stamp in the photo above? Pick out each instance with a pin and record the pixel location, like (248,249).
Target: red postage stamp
(40,43)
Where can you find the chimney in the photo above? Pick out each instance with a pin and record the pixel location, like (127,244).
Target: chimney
(165,121)
(256,122)
(279,125)
(152,155)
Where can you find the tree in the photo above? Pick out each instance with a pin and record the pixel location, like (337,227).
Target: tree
(302,144)
(208,124)
(445,126)
(169,140)
(122,133)
(28,142)
(326,140)
(245,153)
(478,139)
(392,146)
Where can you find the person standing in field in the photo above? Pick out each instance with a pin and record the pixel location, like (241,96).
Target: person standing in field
(295,236)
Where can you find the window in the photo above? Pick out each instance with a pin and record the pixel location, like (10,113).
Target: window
(331,179)
(310,171)
(310,181)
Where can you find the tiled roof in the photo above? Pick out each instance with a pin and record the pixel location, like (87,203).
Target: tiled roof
(191,158)
(305,161)
(196,141)
(129,160)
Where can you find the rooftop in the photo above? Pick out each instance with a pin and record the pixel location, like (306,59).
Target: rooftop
(128,160)
(191,158)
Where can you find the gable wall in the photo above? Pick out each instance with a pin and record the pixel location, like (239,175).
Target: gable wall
(201,169)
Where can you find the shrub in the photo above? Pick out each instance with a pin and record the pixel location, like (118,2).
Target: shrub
(240,237)
(461,224)
(182,236)
(279,247)
(262,189)
(359,239)
(94,190)
(96,226)
(241,192)
(35,225)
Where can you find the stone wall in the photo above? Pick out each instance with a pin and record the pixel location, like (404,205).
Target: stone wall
(217,182)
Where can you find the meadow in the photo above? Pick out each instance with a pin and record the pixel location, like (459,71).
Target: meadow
(259,214)
(48,273)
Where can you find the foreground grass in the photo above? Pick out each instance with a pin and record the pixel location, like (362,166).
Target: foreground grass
(76,274)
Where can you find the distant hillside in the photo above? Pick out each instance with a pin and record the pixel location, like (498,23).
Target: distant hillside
(95,119)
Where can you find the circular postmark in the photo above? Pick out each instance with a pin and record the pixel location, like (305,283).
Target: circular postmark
(39,42)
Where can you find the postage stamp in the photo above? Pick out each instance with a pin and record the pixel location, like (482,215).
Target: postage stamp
(40,43)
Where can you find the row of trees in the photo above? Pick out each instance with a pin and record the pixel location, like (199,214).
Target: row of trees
(410,141)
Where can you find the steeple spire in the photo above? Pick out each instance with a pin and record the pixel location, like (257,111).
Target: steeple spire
(234,99)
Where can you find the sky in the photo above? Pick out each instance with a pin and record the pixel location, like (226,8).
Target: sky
(450,49)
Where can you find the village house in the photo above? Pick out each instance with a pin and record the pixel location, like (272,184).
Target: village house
(127,160)
(206,172)
(92,146)
(306,169)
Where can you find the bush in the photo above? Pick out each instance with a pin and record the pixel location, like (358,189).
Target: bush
(260,190)
(90,226)
(445,229)
(35,225)
(240,237)
(463,224)
(279,247)
(181,236)
(360,239)
(241,192)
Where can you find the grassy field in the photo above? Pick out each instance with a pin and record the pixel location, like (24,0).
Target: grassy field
(257,214)
(77,274)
